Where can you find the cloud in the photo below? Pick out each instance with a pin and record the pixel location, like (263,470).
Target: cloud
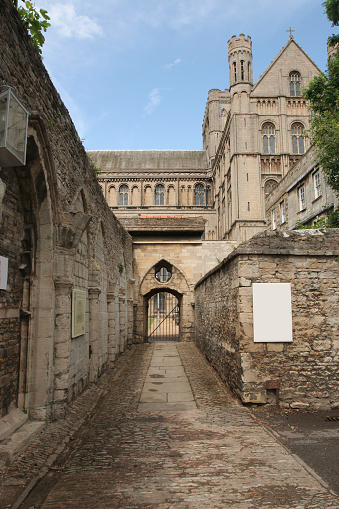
(69,24)
(154,99)
(169,66)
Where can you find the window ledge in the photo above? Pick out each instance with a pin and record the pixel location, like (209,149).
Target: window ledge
(302,210)
(316,199)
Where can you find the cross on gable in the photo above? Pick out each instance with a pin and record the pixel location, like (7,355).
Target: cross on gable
(290,31)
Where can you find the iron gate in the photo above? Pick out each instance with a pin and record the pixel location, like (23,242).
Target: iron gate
(163,317)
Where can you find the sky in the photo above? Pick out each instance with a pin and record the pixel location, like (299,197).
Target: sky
(135,74)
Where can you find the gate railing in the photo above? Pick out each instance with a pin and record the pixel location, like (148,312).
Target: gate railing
(164,331)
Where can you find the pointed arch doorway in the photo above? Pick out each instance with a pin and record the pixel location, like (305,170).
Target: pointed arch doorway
(163,317)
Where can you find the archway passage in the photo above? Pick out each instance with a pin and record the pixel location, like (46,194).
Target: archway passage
(163,317)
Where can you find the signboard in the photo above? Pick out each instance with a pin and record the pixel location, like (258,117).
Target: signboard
(272,312)
(78,313)
(3,272)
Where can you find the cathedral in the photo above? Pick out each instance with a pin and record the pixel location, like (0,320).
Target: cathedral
(253,134)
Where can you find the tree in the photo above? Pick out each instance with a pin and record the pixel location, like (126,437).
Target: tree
(323,94)
(35,21)
(332,11)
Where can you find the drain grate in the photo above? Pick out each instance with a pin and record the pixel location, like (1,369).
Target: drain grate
(332,419)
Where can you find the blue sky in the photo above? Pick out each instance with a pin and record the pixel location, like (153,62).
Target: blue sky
(135,74)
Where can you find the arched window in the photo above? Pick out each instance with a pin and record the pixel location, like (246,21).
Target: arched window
(295,84)
(123,191)
(268,138)
(159,195)
(199,192)
(242,70)
(269,186)
(235,70)
(163,274)
(298,141)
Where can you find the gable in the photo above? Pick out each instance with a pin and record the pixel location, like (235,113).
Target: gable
(275,80)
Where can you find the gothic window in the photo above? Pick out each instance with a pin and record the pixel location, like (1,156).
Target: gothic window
(242,70)
(268,138)
(123,191)
(159,195)
(269,186)
(295,84)
(163,274)
(298,141)
(199,192)
(235,70)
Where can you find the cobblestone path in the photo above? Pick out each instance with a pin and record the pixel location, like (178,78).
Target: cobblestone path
(212,456)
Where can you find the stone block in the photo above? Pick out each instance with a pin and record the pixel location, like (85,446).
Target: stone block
(275,347)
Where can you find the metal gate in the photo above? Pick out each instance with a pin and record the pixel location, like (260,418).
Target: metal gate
(163,317)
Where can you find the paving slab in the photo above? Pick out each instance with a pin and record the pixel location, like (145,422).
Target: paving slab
(209,453)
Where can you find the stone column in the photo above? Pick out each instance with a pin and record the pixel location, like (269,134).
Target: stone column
(111,328)
(93,296)
(62,344)
(122,320)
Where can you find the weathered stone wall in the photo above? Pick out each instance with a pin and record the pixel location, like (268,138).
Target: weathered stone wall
(58,234)
(11,235)
(307,368)
(189,260)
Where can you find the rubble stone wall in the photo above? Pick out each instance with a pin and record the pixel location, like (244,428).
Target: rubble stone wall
(306,370)
(59,235)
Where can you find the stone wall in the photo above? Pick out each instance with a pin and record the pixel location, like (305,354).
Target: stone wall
(306,370)
(189,261)
(59,235)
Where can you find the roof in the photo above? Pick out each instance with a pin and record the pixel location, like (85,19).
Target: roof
(163,224)
(170,160)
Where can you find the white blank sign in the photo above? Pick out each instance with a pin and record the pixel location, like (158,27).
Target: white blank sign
(3,272)
(272,312)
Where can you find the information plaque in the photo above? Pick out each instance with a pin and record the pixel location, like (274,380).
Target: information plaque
(78,313)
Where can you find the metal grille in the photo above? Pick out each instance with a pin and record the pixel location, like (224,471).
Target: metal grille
(163,317)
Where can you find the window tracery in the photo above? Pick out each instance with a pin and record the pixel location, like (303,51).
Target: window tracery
(268,138)
(159,195)
(295,80)
(123,192)
(298,140)
(199,192)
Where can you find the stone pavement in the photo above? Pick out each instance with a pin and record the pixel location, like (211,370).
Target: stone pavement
(148,445)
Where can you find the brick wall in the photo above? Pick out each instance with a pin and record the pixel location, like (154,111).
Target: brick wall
(307,368)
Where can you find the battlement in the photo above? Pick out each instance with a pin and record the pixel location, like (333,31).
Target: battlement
(239,42)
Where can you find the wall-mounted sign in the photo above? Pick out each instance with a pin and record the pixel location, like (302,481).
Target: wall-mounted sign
(78,313)
(272,312)
(3,272)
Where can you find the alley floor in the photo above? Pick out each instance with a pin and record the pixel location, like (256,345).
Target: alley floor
(162,433)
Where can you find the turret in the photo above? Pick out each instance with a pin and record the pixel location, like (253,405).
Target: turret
(240,60)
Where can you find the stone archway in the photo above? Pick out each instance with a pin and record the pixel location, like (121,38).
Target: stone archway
(157,280)
(162,316)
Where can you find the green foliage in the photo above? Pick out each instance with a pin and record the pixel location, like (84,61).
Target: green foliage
(323,94)
(331,221)
(35,21)
(95,168)
(332,11)
(121,268)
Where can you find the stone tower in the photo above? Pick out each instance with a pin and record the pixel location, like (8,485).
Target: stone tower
(240,61)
